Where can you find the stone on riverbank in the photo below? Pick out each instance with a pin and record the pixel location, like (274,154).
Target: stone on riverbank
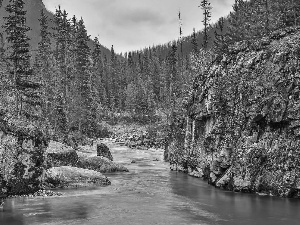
(103,150)
(100,164)
(67,176)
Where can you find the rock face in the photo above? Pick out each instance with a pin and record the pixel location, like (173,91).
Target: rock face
(59,154)
(67,176)
(22,154)
(103,150)
(100,164)
(245,113)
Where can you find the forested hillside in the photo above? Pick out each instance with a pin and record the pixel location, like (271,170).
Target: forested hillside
(33,9)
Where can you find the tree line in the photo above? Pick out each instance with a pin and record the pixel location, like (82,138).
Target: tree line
(77,86)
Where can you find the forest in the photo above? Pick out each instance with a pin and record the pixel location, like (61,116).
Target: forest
(71,89)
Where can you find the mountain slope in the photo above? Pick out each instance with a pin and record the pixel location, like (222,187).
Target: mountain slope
(33,8)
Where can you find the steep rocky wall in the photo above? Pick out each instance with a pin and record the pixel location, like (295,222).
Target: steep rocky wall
(246,106)
(22,155)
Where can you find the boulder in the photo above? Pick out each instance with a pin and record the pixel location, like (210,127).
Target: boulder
(100,164)
(103,150)
(67,176)
(59,154)
(195,172)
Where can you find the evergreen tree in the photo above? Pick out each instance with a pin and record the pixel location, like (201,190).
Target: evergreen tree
(267,15)
(259,18)
(220,43)
(25,89)
(62,35)
(1,46)
(87,114)
(205,6)
(290,12)
(195,49)
(113,81)
(44,65)
(238,23)
(97,73)
(1,36)
(172,79)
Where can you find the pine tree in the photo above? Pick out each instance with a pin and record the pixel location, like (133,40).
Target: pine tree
(290,12)
(1,37)
(267,15)
(205,6)
(44,65)
(25,89)
(220,44)
(195,49)
(106,83)
(97,73)
(113,84)
(258,18)
(172,79)
(62,36)
(1,45)
(239,25)
(180,32)
(87,117)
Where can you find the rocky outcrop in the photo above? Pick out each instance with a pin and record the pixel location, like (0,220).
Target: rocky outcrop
(59,154)
(66,176)
(103,150)
(22,155)
(100,164)
(245,110)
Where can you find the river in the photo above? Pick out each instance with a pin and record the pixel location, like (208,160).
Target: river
(150,194)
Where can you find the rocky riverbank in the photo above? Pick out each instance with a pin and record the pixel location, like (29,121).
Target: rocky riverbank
(60,166)
(79,167)
(138,136)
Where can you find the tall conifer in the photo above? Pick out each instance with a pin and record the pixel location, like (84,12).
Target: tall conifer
(195,49)
(87,117)
(44,64)
(62,34)
(16,29)
(220,44)
(206,7)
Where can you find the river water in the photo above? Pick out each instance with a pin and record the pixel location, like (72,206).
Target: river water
(150,194)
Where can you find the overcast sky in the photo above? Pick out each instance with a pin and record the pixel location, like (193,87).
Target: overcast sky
(135,24)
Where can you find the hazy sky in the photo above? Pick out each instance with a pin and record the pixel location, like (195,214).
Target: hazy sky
(135,24)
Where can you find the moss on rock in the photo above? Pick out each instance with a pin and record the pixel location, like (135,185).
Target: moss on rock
(67,176)
(100,164)
(59,154)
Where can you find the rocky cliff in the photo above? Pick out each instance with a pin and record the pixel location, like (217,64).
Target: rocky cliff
(243,118)
(22,149)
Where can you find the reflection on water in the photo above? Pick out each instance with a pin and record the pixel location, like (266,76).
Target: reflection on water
(151,194)
(236,208)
